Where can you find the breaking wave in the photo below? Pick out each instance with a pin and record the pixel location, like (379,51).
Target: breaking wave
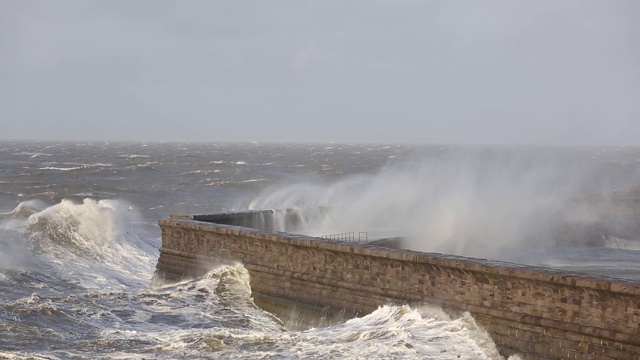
(391,331)
(401,332)
(94,241)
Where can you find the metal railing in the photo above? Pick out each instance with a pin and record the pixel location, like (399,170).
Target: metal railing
(347,237)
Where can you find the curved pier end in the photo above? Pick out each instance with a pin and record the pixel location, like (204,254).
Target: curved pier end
(535,312)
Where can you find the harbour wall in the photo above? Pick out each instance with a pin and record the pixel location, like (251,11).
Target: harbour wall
(538,313)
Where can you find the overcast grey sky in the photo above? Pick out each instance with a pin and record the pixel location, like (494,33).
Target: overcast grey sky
(497,72)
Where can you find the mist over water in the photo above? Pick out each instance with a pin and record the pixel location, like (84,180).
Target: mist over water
(475,202)
(79,240)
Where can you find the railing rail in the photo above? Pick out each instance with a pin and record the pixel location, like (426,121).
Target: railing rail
(361,236)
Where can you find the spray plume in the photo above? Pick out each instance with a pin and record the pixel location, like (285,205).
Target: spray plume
(476,202)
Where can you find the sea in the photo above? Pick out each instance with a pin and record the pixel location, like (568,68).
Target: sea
(79,240)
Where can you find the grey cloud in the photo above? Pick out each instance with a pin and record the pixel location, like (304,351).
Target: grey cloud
(539,72)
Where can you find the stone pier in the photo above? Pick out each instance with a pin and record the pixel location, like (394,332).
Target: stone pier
(538,313)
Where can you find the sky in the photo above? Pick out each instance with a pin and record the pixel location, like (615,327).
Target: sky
(537,72)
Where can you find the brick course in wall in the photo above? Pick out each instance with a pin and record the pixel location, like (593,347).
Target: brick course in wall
(538,313)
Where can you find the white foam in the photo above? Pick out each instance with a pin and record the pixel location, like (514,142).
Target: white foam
(29,207)
(620,243)
(133,156)
(389,332)
(253,180)
(74,166)
(25,356)
(102,241)
(31,154)
(400,331)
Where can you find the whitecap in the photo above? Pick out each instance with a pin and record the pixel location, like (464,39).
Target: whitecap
(132,156)
(253,180)
(63,168)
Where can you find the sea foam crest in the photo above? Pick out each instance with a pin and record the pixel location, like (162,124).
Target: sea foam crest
(102,235)
(404,332)
(87,225)
(224,281)
(28,208)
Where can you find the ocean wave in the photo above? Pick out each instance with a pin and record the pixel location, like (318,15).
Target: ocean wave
(400,331)
(219,182)
(253,180)
(28,208)
(63,168)
(132,156)
(73,166)
(85,224)
(24,356)
(198,172)
(35,305)
(391,331)
(100,241)
(31,154)
(230,280)
(15,254)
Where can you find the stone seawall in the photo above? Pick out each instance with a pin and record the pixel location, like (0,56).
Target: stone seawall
(535,312)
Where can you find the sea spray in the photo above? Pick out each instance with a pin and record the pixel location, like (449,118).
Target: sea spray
(481,205)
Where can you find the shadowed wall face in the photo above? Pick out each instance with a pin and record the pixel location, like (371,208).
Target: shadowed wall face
(535,312)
